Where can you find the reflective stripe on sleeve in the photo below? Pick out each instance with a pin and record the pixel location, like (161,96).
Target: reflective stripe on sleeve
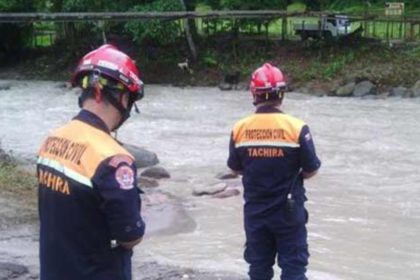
(270,144)
(65,170)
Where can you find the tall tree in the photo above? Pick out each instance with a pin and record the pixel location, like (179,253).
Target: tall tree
(14,36)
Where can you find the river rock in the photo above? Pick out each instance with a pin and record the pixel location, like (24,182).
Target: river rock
(11,270)
(155,198)
(5,85)
(226,175)
(304,89)
(146,182)
(225,86)
(399,91)
(346,90)
(364,88)
(348,79)
(319,92)
(143,157)
(63,85)
(415,90)
(209,190)
(156,172)
(227,192)
(383,95)
(155,270)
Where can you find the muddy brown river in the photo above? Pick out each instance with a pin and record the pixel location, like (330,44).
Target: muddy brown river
(364,205)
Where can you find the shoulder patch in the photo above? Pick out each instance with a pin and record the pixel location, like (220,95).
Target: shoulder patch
(124,175)
(118,159)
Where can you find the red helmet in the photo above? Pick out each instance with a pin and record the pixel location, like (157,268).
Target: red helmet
(266,80)
(109,62)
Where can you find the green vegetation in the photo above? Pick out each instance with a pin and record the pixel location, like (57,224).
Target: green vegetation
(14,180)
(223,45)
(160,33)
(17,191)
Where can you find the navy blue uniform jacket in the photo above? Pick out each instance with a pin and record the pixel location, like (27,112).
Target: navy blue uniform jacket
(271,149)
(88,196)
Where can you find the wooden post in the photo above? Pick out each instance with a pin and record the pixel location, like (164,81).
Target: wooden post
(367,26)
(401,29)
(411,31)
(266,32)
(392,29)
(284,28)
(418,28)
(374,29)
(290,28)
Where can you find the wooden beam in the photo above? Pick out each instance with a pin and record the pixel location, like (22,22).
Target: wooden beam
(128,16)
(125,16)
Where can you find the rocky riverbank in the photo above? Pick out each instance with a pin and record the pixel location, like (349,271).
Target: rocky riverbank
(314,67)
(361,87)
(143,271)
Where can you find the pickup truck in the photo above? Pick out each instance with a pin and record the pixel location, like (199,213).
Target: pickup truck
(328,27)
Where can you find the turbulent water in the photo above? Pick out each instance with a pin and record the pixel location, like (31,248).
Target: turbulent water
(364,205)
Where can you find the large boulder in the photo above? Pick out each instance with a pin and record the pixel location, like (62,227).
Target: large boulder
(383,95)
(209,190)
(226,175)
(156,172)
(348,79)
(143,157)
(364,88)
(346,90)
(220,190)
(228,192)
(415,90)
(225,86)
(146,182)
(399,91)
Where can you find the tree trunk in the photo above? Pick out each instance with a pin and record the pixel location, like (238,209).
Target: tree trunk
(188,34)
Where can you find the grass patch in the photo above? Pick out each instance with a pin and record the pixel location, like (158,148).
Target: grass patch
(17,194)
(16,182)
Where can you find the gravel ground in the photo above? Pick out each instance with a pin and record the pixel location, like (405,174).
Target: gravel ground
(146,271)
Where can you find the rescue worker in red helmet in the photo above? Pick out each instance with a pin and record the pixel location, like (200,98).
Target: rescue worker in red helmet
(274,152)
(89,203)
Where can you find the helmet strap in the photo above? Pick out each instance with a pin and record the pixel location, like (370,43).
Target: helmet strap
(136,109)
(98,95)
(125,112)
(281,96)
(96,86)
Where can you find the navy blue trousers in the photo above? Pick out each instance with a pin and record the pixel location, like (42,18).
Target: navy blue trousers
(280,233)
